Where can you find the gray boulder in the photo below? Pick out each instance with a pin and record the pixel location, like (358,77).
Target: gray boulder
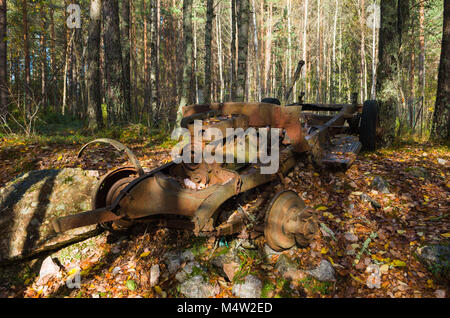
(196,287)
(28,204)
(250,288)
(324,272)
(380,184)
(436,258)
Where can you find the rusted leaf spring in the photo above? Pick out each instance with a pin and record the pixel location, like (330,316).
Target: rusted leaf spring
(260,115)
(120,147)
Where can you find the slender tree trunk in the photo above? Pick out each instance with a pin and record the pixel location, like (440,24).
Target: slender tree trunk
(54,83)
(422,50)
(219,53)
(255,44)
(333,68)
(289,51)
(305,35)
(43,50)
(319,55)
(94,110)
(194,72)
(126,58)
(374,57)
(147,22)
(26,50)
(268,50)
(208,49)
(243,23)
(233,50)
(3,68)
(441,118)
(187,65)
(155,58)
(115,96)
(363,92)
(134,107)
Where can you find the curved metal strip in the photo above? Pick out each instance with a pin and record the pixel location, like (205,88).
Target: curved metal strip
(120,147)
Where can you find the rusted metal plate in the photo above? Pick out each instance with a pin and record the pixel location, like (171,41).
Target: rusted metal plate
(261,115)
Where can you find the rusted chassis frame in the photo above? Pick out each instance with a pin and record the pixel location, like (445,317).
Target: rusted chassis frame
(155,193)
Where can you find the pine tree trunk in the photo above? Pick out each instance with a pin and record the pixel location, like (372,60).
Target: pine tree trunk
(94,111)
(268,50)
(115,96)
(363,92)
(208,49)
(126,58)
(243,23)
(54,83)
(26,50)
(305,35)
(255,44)
(233,72)
(147,23)
(3,56)
(441,118)
(393,13)
(422,51)
(187,63)
(155,89)
(43,51)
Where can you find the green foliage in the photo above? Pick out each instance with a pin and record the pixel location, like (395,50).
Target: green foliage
(312,285)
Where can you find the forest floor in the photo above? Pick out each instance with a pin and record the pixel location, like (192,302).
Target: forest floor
(357,232)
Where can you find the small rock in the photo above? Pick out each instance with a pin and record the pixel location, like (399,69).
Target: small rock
(442,161)
(115,250)
(175,258)
(196,287)
(380,184)
(154,274)
(251,288)
(436,259)
(49,269)
(184,273)
(285,264)
(419,172)
(440,293)
(269,252)
(115,271)
(349,236)
(227,258)
(323,272)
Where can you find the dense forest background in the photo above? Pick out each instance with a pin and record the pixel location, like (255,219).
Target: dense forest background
(139,61)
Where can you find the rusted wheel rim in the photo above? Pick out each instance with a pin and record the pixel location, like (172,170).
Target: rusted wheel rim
(109,188)
(288,221)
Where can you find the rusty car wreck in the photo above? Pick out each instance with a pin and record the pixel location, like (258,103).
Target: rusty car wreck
(128,195)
